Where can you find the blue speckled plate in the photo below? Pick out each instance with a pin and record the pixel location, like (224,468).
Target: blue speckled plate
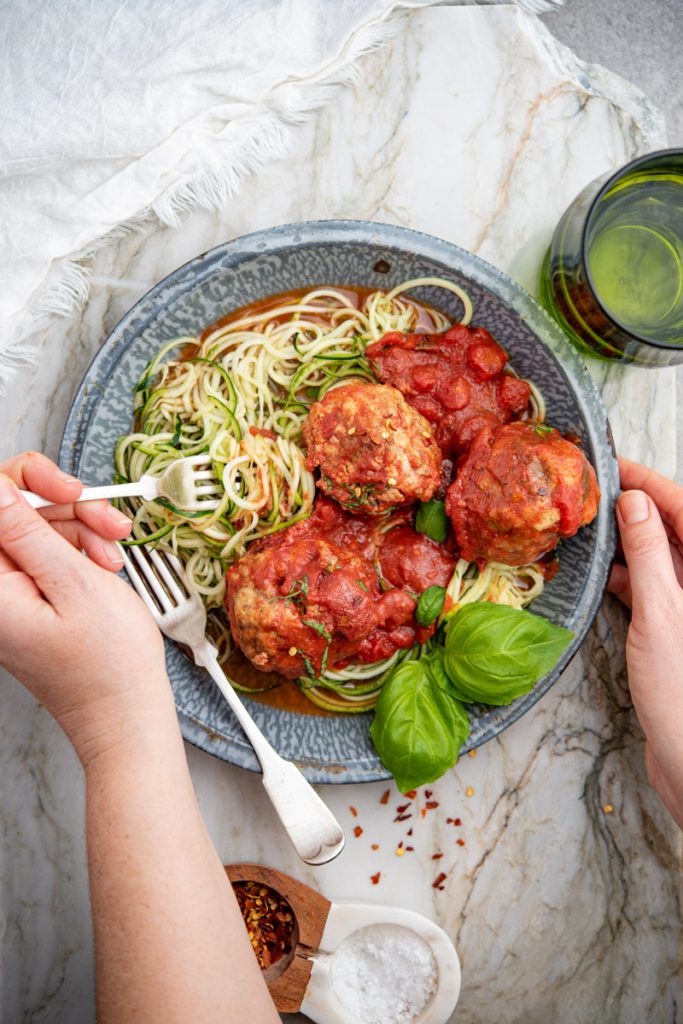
(375,255)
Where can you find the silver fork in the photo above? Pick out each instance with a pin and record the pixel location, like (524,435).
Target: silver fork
(161,583)
(184,483)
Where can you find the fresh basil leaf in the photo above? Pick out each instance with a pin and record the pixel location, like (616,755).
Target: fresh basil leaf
(494,653)
(433,660)
(430,604)
(419,726)
(431,519)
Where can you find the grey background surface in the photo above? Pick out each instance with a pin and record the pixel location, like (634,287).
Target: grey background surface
(641,40)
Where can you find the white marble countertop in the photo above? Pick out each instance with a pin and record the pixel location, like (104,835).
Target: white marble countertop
(476,126)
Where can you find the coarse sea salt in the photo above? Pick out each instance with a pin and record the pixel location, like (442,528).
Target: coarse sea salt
(384,974)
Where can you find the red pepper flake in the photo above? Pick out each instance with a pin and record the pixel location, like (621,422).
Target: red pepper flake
(402,817)
(403,808)
(375,878)
(384,799)
(460,842)
(431,804)
(441,888)
(353,810)
(428,793)
(410,849)
(375,846)
(437,856)
(457,821)
(411,794)
(269,921)
(441,877)
(450,821)
(423,812)
(358,831)
(409,832)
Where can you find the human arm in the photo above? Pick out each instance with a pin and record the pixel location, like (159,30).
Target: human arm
(170,941)
(650,518)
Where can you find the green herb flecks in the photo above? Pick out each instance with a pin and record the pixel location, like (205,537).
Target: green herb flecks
(296,594)
(542,430)
(318,627)
(326,635)
(357,496)
(310,671)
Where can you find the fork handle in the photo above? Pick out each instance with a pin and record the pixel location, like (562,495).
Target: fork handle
(313,830)
(136,489)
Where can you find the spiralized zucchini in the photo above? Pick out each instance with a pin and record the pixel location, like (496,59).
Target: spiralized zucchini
(516,586)
(240,394)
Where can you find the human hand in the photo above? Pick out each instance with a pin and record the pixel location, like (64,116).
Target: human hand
(650,518)
(75,635)
(91,526)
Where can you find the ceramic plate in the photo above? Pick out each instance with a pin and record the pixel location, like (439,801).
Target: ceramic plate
(338,749)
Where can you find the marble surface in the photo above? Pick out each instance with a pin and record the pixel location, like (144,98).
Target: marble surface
(474,125)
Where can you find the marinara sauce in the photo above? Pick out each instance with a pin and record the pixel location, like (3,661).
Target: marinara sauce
(455,379)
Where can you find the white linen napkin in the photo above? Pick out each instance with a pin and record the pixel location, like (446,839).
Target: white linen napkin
(116,111)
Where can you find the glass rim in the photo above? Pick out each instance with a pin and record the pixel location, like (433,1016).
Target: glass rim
(592,210)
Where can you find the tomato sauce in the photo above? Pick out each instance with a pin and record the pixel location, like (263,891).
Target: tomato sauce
(455,379)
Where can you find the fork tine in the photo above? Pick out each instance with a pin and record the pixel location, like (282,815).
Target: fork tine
(162,569)
(140,584)
(177,567)
(205,474)
(206,505)
(153,582)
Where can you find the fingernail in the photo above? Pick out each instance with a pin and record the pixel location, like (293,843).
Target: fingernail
(119,518)
(633,507)
(112,554)
(66,477)
(8,492)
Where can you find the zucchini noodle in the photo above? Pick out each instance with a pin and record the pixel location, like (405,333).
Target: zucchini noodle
(516,586)
(239,394)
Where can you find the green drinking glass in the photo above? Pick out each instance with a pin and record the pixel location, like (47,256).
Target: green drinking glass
(613,276)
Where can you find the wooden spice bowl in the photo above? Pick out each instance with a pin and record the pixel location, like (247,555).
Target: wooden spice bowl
(302,980)
(288,978)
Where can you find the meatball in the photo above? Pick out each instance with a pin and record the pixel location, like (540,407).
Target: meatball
(373,450)
(518,491)
(415,562)
(311,598)
(457,380)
